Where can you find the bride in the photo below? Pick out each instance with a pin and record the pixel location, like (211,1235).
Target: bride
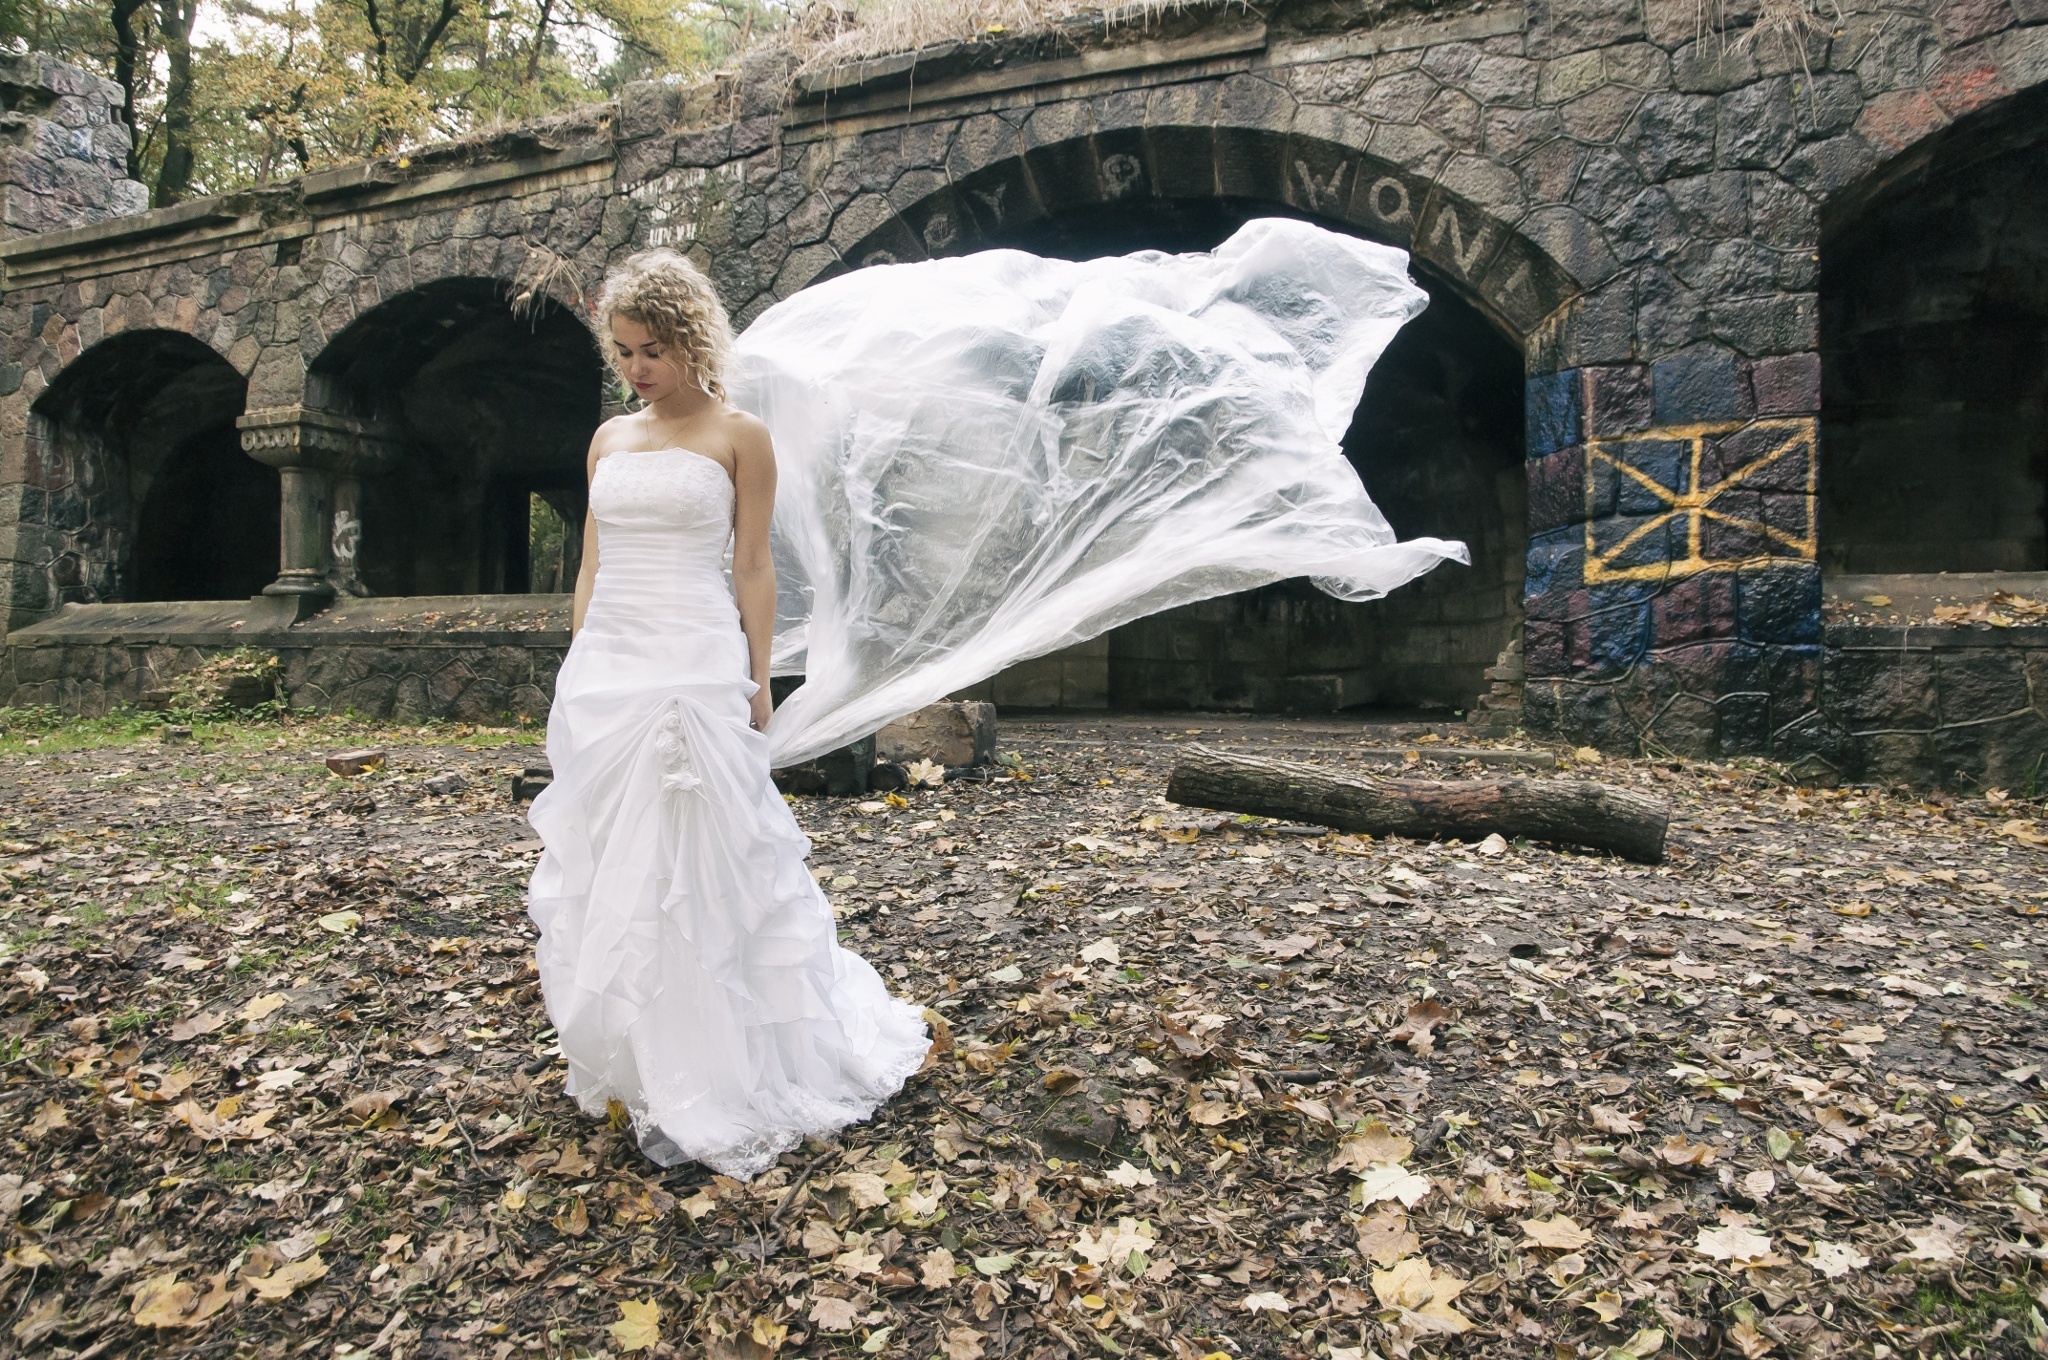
(689,960)
(984,458)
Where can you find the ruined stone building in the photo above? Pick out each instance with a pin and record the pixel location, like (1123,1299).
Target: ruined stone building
(1731,333)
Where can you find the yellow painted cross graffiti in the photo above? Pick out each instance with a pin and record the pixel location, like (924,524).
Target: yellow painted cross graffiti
(1784,448)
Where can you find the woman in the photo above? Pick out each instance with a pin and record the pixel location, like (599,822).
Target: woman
(688,958)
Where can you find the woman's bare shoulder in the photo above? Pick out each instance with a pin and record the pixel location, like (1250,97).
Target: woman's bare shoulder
(745,432)
(615,434)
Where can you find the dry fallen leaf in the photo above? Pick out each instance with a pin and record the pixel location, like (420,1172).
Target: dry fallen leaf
(264,1006)
(1422,1296)
(1835,1259)
(639,1325)
(834,1315)
(1940,1242)
(165,1301)
(1384,1182)
(48,1119)
(1732,1242)
(1384,1238)
(1417,1030)
(1372,1144)
(935,1271)
(963,1343)
(290,1276)
(1560,1232)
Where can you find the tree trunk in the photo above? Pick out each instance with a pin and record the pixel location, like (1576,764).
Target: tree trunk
(174,176)
(127,69)
(1568,810)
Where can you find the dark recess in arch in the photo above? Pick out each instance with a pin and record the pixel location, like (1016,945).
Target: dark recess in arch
(492,406)
(148,476)
(1437,439)
(1934,350)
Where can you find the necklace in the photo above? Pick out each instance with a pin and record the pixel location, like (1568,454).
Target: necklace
(666,439)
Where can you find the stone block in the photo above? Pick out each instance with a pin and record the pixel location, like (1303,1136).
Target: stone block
(1553,412)
(947,733)
(1672,134)
(1573,242)
(1618,400)
(1965,21)
(1559,27)
(1557,491)
(1700,384)
(1696,609)
(1556,563)
(1976,684)
(1786,384)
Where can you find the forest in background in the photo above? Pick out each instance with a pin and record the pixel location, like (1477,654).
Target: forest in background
(223,94)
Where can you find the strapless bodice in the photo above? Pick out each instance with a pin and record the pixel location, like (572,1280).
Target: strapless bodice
(664,518)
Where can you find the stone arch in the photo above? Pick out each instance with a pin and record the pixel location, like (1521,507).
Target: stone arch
(143,477)
(1495,267)
(1934,351)
(476,396)
(1437,439)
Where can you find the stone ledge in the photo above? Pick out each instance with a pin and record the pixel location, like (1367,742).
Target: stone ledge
(1935,637)
(880,94)
(397,621)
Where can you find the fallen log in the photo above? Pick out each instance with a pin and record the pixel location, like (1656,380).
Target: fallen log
(1572,811)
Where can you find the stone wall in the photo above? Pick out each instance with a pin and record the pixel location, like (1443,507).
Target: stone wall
(1635,200)
(63,148)
(1962,707)
(470,658)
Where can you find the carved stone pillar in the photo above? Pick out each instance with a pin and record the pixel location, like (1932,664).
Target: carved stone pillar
(320,457)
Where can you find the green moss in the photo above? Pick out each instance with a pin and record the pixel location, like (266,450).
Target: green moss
(1971,1320)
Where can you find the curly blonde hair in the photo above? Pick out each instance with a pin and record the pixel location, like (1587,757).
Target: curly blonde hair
(664,292)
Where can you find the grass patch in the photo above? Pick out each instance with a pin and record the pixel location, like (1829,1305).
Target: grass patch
(39,731)
(1968,1323)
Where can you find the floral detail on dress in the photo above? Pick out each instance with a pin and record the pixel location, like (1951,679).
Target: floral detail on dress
(678,771)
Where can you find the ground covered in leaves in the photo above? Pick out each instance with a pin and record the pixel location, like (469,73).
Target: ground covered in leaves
(278,1079)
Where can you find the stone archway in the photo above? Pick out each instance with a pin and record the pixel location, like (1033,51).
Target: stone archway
(479,408)
(1437,438)
(145,478)
(1934,347)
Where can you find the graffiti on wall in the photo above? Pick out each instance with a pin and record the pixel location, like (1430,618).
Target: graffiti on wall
(1677,500)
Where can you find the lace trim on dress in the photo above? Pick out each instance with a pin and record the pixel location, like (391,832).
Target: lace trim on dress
(749,1157)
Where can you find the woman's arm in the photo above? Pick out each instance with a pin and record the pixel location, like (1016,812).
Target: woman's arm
(753,569)
(586,574)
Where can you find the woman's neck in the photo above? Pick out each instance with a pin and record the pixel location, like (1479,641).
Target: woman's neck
(685,403)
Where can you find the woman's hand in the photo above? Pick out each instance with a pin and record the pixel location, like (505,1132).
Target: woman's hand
(760,707)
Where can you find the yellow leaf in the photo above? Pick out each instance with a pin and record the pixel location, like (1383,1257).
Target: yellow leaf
(280,1283)
(1422,1296)
(164,1302)
(48,1119)
(1560,1232)
(639,1324)
(259,1007)
(340,922)
(896,800)
(1373,1143)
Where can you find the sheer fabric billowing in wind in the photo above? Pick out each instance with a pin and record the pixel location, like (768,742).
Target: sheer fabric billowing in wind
(988,458)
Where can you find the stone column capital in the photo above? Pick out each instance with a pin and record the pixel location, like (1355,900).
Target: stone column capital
(308,437)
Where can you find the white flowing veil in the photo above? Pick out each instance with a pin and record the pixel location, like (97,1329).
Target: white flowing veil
(987,458)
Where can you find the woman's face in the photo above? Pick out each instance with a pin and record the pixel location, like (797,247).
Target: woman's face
(653,373)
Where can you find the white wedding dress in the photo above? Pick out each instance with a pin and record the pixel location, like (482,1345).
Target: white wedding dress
(689,961)
(980,460)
